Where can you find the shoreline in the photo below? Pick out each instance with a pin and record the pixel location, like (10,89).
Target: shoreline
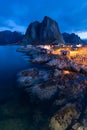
(56,84)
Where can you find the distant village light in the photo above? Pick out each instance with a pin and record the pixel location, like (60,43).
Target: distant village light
(79,45)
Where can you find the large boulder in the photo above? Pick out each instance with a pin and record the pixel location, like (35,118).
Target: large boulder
(45,32)
(64,117)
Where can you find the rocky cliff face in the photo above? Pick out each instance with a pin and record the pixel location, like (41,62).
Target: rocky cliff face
(72,38)
(45,32)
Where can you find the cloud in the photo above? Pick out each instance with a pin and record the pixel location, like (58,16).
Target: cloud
(70,15)
(11,25)
(82,35)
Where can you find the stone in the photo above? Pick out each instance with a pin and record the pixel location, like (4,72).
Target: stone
(63,118)
(40,59)
(84,70)
(75,67)
(37,83)
(76,126)
(27,77)
(44,91)
(57,72)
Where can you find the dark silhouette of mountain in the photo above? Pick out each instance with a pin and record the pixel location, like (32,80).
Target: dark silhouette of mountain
(46,32)
(41,33)
(72,38)
(84,40)
(8,37)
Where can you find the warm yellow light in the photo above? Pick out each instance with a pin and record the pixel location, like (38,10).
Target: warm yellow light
(66,72)
(48,47)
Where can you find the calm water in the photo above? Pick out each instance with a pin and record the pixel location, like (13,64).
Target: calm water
(11,62)
(16,113)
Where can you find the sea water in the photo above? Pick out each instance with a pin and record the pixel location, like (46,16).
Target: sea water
(16,112)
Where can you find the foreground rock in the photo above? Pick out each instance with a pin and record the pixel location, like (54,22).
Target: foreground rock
(37,83)
(64,117)
(82,124)
(45,84)
(45,32)
(62,84)
(64,90)
(84,120)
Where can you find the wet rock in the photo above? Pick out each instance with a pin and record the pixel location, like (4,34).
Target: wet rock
(52,63)
(42,83)
(82,124)
(84,119)
(37,83)
(40,59)
(77,126)
(81,128)
(59,62)
(57,72)
(63,118)
(44,91)
(27,77)
(59,102)
(62,65)
(75,67)
(84,70)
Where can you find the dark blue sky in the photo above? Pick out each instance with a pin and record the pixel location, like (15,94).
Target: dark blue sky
(71,15)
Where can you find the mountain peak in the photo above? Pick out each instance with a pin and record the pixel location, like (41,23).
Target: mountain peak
(45,32)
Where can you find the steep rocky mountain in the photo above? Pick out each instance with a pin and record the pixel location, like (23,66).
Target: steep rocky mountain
(45,32)
(8,37)
(72,38)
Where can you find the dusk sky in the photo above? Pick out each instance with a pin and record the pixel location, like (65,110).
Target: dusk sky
(71,15)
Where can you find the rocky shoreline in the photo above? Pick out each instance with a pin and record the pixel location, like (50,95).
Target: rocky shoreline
(63,82)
